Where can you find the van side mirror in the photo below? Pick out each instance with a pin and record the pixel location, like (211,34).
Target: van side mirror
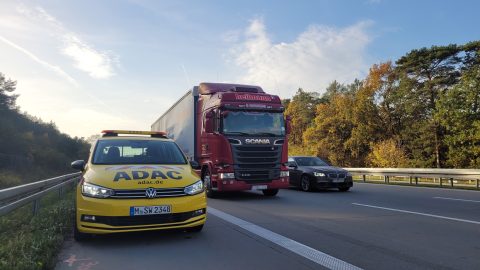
(209,117)
(78,165)
(195,165)
(288,124)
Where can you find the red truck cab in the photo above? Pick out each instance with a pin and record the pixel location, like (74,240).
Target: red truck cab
(240,137)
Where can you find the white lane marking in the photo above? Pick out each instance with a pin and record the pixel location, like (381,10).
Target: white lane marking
(455,199)
(287,243)
(418,213)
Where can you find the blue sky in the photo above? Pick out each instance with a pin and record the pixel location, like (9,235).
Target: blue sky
(93,65)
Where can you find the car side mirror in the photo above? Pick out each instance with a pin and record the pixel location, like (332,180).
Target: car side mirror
(78,165)
(209,122)
(195,165)
(292,165)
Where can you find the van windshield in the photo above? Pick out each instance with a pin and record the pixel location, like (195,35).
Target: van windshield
(137,152)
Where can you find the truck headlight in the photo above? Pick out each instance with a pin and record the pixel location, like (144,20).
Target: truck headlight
(318,174)
(284,173)
(227,175)
(195,188)
(95,191)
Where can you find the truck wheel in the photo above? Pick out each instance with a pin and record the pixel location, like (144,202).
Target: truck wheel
(343,189)
(208,185)
(270,192)
(306,184)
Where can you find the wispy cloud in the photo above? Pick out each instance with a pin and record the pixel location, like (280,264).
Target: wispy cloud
(32,56)
(97,64)
(316,57)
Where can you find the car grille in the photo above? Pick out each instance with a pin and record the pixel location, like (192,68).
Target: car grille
(145,220)
(257,164)
(140,193)
(336,175)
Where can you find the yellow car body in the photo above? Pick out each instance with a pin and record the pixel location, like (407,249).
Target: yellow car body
(125,187)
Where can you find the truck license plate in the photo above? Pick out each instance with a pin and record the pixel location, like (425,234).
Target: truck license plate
(150,210)
(259,187)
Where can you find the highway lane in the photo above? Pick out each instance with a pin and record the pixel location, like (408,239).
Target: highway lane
(331,222)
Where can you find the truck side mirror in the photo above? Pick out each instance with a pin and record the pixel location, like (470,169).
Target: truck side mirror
(195,165)
(288,124)
(78,165)
(209,122)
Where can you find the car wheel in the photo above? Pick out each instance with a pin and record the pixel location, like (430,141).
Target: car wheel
(195,229)
(270,192)
(344,189)
(306,183)
(208,184)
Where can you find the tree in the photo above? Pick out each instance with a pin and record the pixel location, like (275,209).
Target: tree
(459,111)
(387,154)
(7,99)
(301,110)
(428,72)
(332,127)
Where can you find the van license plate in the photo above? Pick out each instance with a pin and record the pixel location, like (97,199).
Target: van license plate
(259,187)
(150,210)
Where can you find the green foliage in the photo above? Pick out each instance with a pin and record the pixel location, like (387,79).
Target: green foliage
(30,243)
(387,154)
(424,110)
(459,112)
(29,147)
(301,109)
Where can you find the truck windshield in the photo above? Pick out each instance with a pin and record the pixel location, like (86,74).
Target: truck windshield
(253,123)
(137,152)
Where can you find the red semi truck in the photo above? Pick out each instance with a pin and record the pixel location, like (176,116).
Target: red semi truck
(236,134)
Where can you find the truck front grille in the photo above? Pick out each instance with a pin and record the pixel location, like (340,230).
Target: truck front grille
(257,164)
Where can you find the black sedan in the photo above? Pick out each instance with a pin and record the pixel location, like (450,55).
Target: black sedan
(311,172)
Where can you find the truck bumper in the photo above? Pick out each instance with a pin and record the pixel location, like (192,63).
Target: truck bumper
(237,185)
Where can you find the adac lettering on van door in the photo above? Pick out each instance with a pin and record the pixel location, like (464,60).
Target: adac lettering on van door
(142,175)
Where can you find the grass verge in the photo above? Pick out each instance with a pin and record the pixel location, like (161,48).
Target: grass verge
(33,242)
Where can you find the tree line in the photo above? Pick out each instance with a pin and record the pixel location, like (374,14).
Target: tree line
(31,149)
(421,111)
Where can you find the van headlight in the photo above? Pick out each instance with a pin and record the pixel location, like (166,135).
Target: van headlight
(95,191)
(195,188)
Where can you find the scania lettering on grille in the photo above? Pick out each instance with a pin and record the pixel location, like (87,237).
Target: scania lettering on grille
(150,193)
(257,141)
(143,175)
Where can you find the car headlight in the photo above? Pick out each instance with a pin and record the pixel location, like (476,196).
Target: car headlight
(284,173)
(95,191)
(227,175)
(349,174)
(318,174)
(195,188)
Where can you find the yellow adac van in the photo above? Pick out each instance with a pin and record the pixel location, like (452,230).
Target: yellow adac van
(137,181)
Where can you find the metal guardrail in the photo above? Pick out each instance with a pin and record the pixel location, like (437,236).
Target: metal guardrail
(414,174)
(15,197)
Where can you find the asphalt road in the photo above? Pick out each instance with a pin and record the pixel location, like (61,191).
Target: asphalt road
(371,227)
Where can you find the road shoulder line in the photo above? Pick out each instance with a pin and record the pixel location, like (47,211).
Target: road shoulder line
(418,213)
(307,252)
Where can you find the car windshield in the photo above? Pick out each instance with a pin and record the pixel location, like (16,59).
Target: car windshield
(310,161)
(253,123)
(137,152)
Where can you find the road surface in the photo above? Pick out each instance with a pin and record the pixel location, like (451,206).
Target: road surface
(371,227)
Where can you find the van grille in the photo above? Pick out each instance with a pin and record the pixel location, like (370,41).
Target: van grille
(140,193)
